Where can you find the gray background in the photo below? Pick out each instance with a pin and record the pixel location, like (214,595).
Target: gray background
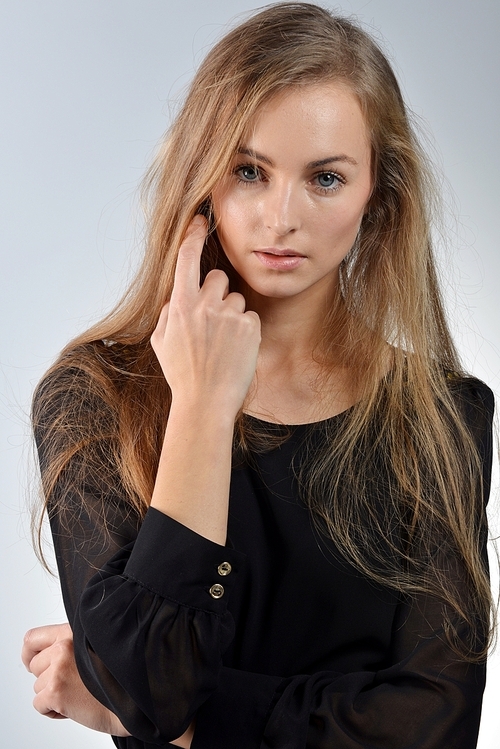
(87,89)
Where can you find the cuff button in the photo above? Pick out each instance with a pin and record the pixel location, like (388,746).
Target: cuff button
(224,569)
(216,591)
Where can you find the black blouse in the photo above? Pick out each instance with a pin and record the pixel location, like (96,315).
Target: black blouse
(272,641)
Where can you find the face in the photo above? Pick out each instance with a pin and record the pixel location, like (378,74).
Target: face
(290,208)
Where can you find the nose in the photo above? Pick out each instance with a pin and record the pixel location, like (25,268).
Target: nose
(281,208)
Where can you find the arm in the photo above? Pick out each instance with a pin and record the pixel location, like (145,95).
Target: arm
(425,695)
(427,699)
(60,693)
(207,346)
(424,689)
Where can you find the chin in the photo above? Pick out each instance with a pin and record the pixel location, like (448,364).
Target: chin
(275,288)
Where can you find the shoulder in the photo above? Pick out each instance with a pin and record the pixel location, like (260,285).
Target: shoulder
(91,369)
(475,404)
(472,397)
(75,398)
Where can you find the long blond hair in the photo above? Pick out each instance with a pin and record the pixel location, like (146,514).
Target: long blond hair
(389,294)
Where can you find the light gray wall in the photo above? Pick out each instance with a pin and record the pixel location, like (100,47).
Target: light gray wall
(85,90)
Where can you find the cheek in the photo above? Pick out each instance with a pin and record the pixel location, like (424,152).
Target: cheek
(234,221)
(346,216)
(339,224)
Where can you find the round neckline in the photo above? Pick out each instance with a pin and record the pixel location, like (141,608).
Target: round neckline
(303,424)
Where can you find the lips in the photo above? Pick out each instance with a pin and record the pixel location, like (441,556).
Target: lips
(280,252)
(279,259)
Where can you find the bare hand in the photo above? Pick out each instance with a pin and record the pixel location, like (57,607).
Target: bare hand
(206,343)
(60,693)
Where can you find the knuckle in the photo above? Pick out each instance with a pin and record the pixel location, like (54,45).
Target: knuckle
(54,698)
(211,311)
(251,319)
(237,298)
(52,692)
(216,275)
(63,648)
(29,636)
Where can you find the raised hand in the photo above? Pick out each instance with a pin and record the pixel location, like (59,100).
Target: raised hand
(206,343)
(207,346)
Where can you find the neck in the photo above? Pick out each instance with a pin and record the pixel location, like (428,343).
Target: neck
(291,326)
(297,380)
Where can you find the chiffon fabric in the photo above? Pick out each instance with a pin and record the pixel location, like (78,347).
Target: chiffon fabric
(270,642)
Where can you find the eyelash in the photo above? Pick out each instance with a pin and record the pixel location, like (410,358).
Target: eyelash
(326,190)
(323,190)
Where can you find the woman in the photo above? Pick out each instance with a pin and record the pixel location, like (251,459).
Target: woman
(265,470)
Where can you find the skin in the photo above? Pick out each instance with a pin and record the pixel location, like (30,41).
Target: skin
(274,195)
(48,654)
(220,350)
(281,201)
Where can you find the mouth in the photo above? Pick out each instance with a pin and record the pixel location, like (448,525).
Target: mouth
(279,252)
(279,259)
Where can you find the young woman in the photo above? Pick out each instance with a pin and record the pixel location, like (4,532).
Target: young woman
(265,470)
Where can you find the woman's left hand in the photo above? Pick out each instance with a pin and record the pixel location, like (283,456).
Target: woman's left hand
(60,693)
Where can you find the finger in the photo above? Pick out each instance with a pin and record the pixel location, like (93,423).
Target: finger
(40,662)
(41,706)
(254,316)
(236,301)
(41,682)
(187,270)
(217,283)
(39,638)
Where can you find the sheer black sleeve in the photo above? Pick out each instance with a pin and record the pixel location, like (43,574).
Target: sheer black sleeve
(151,631)
(149,628)
(427,696)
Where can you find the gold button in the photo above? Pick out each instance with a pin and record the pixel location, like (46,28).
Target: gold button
(224,569)
(216,591)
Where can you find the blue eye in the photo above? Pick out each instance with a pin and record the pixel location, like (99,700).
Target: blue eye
(328,182)
(248,173)
(327,179)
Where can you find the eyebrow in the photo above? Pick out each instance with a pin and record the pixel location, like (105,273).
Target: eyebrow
(311,165)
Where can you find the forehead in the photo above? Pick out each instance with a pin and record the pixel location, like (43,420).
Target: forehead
(315,117)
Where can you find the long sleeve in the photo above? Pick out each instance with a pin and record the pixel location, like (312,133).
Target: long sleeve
(421,695)
(297,652)
(149,626)
(425,698)
(149,632)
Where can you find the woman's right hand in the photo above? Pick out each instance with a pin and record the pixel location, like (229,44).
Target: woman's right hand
(206,343)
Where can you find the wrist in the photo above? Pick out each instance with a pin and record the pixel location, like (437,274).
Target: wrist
(202,412)
(193,478)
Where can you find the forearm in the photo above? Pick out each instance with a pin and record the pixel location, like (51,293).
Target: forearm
(207,347)
(192,483)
